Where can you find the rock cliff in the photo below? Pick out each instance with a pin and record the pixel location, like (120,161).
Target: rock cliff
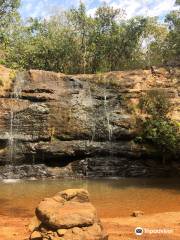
(53,124)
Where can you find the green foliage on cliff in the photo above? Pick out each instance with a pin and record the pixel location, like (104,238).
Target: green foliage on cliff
(157,128)
(74,42)
(8,16)
(155,104)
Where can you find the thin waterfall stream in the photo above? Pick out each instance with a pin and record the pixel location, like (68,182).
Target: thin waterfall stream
(107,118)
(13,132)
(107,112)
(11,138)
(93,127)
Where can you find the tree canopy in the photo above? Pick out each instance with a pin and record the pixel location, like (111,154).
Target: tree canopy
(72,41)
(8,14)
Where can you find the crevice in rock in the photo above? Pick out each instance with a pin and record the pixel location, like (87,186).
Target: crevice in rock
(35,98)
(38,90)
(3,143)
(50,160)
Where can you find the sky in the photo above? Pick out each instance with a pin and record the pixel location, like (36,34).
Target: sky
(44,8)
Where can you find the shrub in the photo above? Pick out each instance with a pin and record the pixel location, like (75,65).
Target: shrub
(157,128)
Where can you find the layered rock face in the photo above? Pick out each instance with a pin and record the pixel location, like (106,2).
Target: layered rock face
(58,125)
(67,215)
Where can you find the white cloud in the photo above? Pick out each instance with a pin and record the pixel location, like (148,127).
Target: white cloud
(143,7)
(43,8)
(159,7)
(91,12)
(130,7)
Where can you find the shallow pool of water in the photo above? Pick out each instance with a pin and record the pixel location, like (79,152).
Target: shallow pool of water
(112,198)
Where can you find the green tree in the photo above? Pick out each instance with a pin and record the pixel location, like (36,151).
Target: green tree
(104,38)
(81,25)
(157,127)
(41,44)
(8,15)
(73,42)
(154,38)
(7,10)
(172,50)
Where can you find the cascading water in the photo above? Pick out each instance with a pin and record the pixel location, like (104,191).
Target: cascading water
(11,138)
(107,114)
(93,123)
(13,130)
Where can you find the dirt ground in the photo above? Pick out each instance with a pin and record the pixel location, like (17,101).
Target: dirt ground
(124,228)
(118,228)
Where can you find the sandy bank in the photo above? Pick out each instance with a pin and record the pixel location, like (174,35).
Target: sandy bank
(118,228)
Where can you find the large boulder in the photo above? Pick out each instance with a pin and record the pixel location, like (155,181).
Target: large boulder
(68,215)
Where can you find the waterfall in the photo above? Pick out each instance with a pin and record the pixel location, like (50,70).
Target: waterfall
(107,114)
(11,138)
(15,94)
(93,123)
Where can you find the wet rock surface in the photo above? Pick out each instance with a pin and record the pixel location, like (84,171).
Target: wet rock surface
(67,215)
(24,171)
(84,124)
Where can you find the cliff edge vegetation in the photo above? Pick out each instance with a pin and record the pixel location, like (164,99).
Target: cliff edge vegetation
(73,41)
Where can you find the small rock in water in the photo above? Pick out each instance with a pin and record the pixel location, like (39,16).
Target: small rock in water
(137,213)
(36,236)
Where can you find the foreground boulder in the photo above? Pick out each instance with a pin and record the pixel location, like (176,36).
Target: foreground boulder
(67,215)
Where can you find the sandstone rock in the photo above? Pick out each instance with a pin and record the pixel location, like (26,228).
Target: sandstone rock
(61,232)
(93,232)
(54,237)
(75,195)
(60,214)
(34,224)
(69,215)
(50,232)
(77,231)
(6,79)
(36,236)
(137,213)
(59,119)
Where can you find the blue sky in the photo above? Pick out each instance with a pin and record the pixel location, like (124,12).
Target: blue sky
(42,8)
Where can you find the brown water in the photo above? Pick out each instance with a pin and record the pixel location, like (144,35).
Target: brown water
(112,198)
